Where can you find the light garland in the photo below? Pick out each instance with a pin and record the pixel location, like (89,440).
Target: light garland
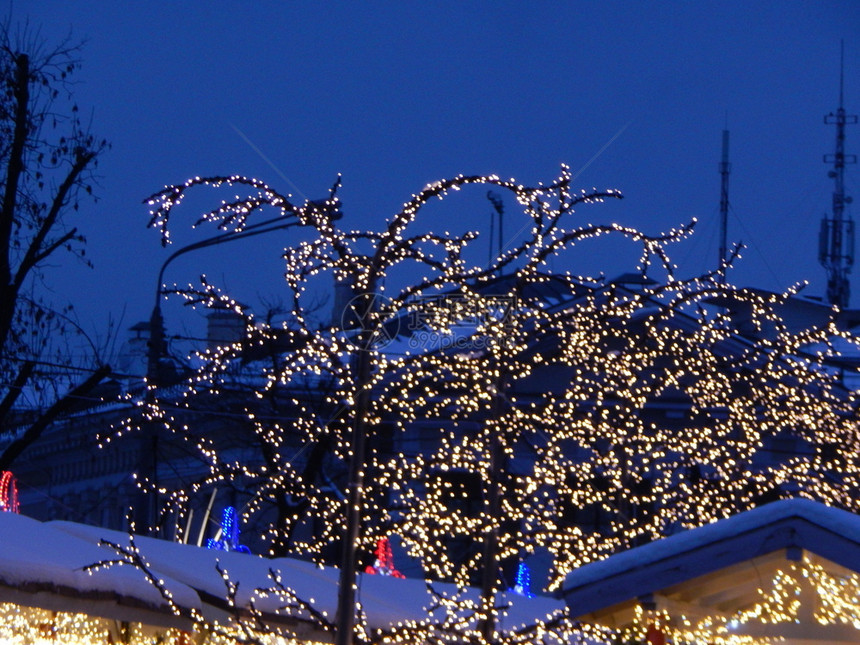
(523,581)
(229,532)
(780,600)
(383,565)
(546,410)
(22,625)
(8,492)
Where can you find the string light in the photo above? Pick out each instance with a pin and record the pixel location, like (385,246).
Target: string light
(384,563)
(585,418)
(800,591)
(35,626)
(8,492)
(229,531)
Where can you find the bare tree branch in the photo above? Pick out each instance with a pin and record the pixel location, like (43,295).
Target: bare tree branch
(60,407)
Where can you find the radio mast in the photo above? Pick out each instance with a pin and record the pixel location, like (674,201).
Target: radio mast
(725,169)
(836,238)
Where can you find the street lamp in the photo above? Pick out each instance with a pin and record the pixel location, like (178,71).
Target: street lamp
(156,321)
(157,342)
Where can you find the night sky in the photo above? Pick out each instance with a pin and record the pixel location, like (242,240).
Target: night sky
(394,95)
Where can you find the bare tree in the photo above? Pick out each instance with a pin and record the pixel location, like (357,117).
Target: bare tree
(47,158)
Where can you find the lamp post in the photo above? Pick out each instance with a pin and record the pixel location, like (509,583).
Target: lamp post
(157,341)
(157,348)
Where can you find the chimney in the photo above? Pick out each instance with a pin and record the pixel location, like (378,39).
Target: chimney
(133,353)
(342,315)
(224,326)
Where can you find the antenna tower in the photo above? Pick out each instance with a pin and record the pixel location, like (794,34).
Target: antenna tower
(725,169)
(836,238)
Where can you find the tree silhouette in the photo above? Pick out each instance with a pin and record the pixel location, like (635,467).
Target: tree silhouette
(47,158)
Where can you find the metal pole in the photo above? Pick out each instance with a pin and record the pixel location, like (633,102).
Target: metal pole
(725,169)
(157,343)
(836,252)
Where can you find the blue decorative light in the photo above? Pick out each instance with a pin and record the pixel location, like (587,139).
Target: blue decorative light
(523,581)
(229,533)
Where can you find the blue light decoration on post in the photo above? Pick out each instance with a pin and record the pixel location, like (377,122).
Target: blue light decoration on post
(523,581)
(229,533)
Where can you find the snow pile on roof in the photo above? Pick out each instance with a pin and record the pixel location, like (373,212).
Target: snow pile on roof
(386,600)
(794,524)
(41,559)
(49,560)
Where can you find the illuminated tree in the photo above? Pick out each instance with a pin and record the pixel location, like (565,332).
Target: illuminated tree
(46,162)
(545,394)
(589,419)
(351,364)
(652,475)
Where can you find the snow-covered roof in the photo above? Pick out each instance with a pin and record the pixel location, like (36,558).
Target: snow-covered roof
(794,525)
(41,565)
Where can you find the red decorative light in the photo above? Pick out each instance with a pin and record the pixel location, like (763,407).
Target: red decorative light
(384,564)
(655,636)
(8,492)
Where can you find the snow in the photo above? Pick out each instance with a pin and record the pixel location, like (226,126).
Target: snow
(41,557)
(833,519)
(196,567)
(50,558)
(53,554)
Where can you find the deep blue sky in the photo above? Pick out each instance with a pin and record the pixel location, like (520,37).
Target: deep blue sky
(397,94)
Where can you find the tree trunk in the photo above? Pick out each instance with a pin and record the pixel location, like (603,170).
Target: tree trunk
(14,168)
